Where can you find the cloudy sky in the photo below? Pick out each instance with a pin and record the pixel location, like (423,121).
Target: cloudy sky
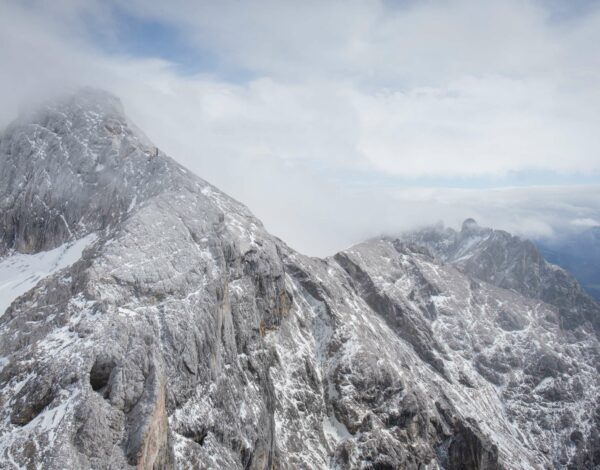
(339,120)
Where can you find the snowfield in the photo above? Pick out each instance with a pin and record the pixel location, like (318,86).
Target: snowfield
(20,272)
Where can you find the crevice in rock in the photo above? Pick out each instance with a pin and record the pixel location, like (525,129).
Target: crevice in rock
(100,375)
(196,435)
(466,448)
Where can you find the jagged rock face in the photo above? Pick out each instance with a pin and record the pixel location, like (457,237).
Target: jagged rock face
(509,262)
(186,336)
(71,168)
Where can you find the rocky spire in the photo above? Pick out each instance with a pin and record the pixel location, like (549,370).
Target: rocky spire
(469,225)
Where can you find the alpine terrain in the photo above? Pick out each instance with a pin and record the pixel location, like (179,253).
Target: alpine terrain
(149,321)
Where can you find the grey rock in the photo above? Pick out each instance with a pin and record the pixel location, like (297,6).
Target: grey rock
(186,336)
(510,262)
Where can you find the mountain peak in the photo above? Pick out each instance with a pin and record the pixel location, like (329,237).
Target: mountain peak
(179,333)
(469,225)
(72,166)
(80,104)
(509,262)
(93,99)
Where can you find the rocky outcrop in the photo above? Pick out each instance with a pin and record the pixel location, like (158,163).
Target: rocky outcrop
(506,261)
(73,167)
(186,336)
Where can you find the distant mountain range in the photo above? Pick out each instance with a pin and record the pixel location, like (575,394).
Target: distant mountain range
(579,254)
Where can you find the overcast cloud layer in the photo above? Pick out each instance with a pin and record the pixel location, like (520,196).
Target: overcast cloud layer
(336,121)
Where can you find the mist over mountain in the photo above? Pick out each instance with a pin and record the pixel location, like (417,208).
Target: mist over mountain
(163,327)
(334,121)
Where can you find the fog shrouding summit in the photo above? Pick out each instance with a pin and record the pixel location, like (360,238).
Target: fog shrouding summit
(167,329)
(335,121)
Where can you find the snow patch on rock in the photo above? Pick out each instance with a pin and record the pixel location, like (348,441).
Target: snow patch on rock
(21,272)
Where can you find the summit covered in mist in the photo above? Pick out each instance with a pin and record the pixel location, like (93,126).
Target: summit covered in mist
(335,121)
(299,235)
(164,327)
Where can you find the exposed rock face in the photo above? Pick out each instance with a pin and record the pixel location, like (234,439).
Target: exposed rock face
(499,258)
(186,336)
(71,168)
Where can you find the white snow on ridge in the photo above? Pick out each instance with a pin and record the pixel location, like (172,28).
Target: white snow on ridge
(335,429)
(20,272)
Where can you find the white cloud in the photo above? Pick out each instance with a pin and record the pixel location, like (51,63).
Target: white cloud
(587,222)
(341,91)
(535,212)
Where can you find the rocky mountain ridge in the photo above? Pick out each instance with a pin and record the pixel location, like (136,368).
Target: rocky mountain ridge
(186,336)
(507,261)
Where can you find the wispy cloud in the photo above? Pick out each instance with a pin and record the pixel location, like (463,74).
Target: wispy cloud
(586,222)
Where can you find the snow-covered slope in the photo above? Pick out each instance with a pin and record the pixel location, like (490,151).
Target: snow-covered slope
(510,262)
(21,272)
(186,336)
